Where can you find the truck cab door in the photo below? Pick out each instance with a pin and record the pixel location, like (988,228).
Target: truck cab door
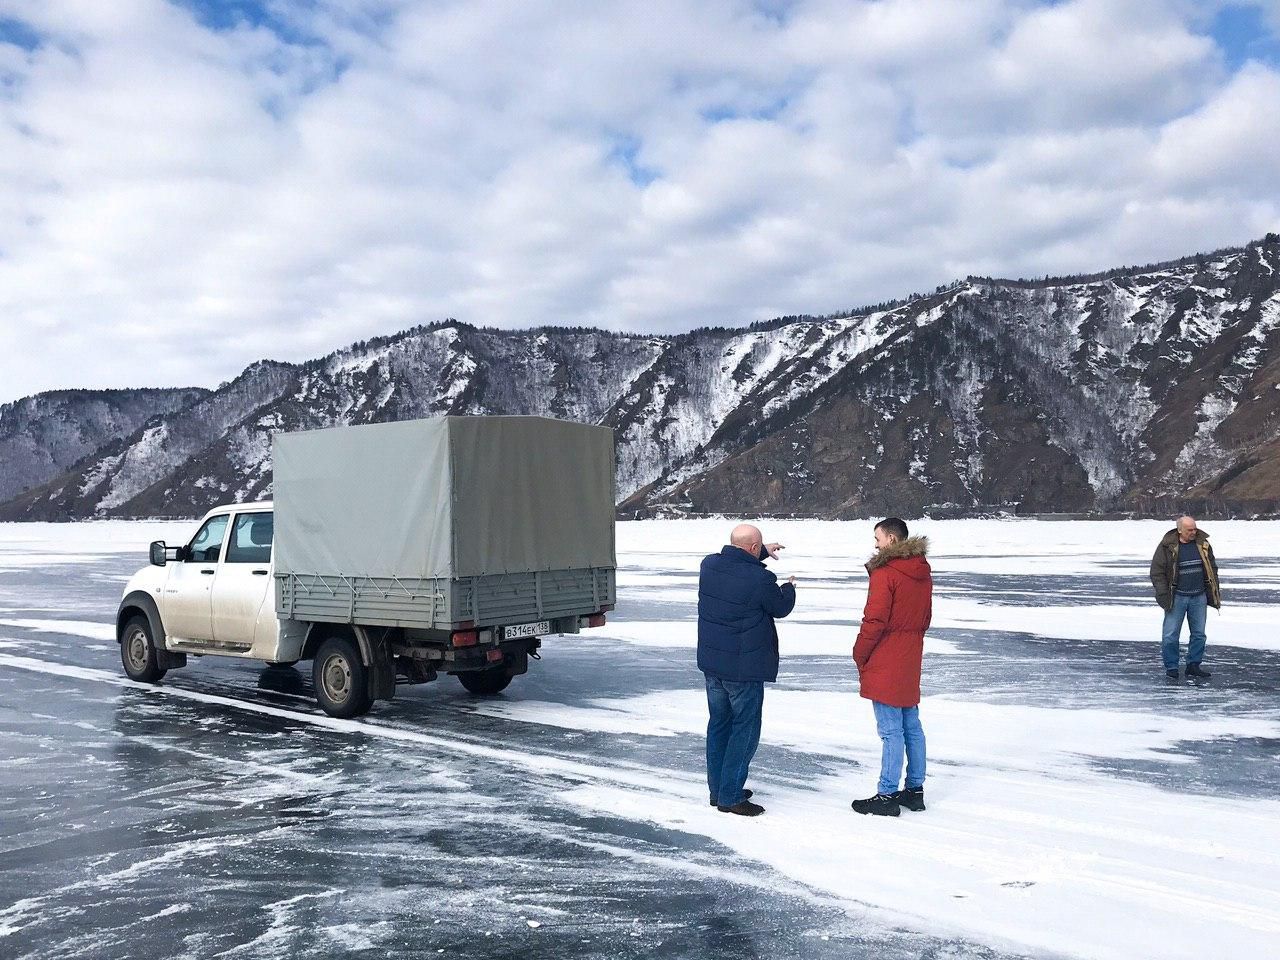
(186,608)
(243,582)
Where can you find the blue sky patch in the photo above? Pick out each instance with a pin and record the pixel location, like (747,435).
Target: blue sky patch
(625,153)
(723,112)
(229,14)
(1243,34)
(232,14)
(19,34)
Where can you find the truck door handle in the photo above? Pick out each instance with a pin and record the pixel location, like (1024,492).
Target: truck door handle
(208,573)
(259,573)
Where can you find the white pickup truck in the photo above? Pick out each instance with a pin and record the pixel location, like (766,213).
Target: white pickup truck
(391,553)
(212,595)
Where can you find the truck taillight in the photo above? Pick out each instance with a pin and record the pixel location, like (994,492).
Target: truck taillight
(466,638)
(595,620)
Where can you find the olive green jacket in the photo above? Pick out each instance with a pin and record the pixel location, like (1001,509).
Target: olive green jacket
(1164,569)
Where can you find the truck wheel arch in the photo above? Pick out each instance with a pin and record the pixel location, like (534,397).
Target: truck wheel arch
(135,603)
(318,633)
(141,603)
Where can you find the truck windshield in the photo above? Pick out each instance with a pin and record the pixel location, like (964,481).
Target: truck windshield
(208,541)
(251,538)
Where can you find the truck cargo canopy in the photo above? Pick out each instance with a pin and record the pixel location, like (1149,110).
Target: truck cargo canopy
(444,497)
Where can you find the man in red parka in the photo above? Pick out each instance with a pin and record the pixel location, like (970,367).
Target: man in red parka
(888,652)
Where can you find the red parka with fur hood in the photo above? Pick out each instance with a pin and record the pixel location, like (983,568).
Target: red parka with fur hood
(899,607)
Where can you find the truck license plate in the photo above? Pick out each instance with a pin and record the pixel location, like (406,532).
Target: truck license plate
(526,630)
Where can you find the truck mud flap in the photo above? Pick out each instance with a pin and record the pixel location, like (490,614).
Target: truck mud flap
(517,653)
(382,665)
(516,663)
(167,660)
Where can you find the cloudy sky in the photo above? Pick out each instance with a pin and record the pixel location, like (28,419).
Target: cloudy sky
(188,186)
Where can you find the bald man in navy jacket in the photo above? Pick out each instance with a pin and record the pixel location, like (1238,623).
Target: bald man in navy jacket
(738,601)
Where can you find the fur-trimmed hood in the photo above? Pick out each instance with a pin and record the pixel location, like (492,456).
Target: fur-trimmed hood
(902,550)
(1170,539)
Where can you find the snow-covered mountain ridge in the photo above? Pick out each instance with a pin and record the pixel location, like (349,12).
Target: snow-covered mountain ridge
(1138,389)
(44,435)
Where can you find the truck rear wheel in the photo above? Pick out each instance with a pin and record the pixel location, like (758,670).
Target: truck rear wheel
(341,679)
(138,652)
(485,683)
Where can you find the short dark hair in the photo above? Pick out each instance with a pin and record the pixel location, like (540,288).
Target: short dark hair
(893,527)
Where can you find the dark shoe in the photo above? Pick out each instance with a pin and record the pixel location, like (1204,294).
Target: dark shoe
(1195,670)
(1171,674)
(912,798)
(744,808)
(746,795)
(881,805)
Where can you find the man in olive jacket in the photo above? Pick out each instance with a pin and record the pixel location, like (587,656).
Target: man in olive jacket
(1184,574)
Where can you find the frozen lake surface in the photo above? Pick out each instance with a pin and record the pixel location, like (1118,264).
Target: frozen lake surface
(1080,804)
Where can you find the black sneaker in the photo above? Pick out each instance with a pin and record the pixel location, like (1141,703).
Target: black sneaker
(881,805)
(746,795)
(1198,672)
(1171,674)
(743,808)
(912,798)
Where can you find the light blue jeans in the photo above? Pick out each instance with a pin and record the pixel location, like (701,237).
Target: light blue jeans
(1196,610)
(733,734)
(900,731)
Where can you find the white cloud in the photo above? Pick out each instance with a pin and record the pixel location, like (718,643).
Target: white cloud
(1229,146)
(176,201)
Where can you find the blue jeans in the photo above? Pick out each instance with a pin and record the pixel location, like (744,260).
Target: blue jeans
(1196,610)
(733,733)
(900,731)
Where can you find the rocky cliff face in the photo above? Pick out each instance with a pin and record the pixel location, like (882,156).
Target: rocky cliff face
(1133,389)
(1127,392)
(43,435)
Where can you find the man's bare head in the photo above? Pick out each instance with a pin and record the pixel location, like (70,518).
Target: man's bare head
(747,538)
(1186,528)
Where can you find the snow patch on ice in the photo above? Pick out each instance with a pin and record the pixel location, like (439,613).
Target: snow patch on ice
(1064,839)
(797,639)
(81,628)
(28,561)
(961,731)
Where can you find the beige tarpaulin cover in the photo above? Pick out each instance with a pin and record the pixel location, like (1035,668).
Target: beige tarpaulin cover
(444,497)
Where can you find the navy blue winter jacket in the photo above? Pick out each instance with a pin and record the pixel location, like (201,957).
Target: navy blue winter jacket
(738,600)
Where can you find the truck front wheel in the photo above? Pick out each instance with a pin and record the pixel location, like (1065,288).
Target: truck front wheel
(341,679)
(138,652)
(485,683)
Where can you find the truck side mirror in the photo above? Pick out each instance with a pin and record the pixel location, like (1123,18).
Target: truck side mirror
(158,557)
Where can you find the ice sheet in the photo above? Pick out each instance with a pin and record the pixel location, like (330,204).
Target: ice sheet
(1022,837)
(1041,813)
(1088,580)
